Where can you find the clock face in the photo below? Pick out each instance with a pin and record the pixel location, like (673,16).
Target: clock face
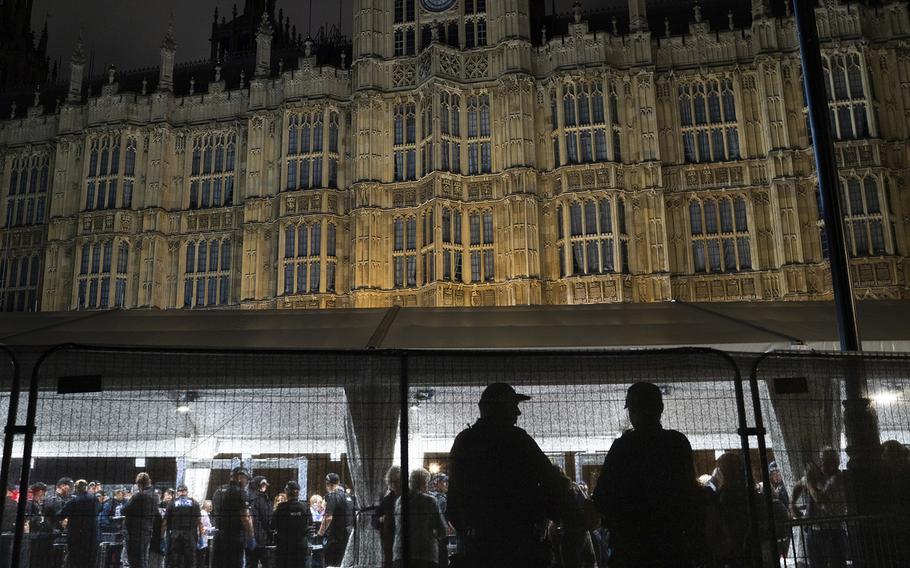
(437,5)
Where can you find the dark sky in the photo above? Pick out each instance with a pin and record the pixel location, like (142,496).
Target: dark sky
(128,33)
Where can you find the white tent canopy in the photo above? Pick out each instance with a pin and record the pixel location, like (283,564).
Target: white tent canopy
(745,326)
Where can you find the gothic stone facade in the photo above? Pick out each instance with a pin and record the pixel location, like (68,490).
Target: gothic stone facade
(629,165)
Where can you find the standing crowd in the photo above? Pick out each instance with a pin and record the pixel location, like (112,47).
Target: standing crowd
(78,526)
(503,504)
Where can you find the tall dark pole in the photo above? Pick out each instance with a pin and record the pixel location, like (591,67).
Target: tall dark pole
(860,422)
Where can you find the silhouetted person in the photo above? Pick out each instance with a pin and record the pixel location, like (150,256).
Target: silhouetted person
(502,488)
(81,515)
(426,525)
(41,532)
(261,515)
(140,513)
(291,524)
(183,526)
(646,491)
(824,487)
(386,514)
(338,520)
(231,516)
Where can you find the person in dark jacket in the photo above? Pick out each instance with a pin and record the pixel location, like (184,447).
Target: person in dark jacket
(338,521)
(111,519)
(140,513)
(291,523)
(63,493)
(81,514)
(733,498)
(183,523)
(54,504)
(261,513)
(40,531)
(502,488)
(647,491)
(231,516)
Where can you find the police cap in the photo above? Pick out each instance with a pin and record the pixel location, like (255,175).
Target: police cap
(182,487)
(65,481)
(292,486)
(333,479)
(501,394)
(238,471)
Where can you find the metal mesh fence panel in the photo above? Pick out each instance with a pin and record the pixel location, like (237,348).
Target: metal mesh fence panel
(822,513)
(191,417)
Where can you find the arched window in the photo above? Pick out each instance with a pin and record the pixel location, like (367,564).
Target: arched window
(25,205)
(864,217)
(404,252)
(307,158)
(720,235)
(475,23)
(207,282)
(479,147)
(103,180)
(212,185)
(846,95)
(707,113)
(19,279)
(97,270)
(587,131)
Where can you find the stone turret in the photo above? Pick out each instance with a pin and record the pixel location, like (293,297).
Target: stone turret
(638,16)
(264,47)
(168,51)
(77,65)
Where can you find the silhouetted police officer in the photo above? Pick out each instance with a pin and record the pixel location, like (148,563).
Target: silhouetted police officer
(231,516)
(291,524)
(647,489)
(183,523)
(502,488)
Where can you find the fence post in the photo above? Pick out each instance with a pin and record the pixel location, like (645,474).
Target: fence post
(403,385)
(860,423)
(11,426)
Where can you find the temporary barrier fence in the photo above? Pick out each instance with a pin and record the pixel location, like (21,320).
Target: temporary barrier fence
(190,416)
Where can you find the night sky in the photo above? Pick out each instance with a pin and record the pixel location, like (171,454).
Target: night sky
(127,33)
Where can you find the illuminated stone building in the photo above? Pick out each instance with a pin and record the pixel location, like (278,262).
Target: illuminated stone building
(463,153)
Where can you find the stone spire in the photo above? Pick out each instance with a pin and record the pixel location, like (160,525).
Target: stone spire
(77,64)
(168,51)
(638,16)
(264,47)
